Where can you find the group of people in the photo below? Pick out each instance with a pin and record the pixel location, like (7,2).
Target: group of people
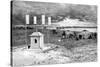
(79,35)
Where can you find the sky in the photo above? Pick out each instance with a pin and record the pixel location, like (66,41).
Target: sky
(54,9)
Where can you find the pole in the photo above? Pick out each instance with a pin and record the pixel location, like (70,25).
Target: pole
(26,34)
(27,22)
(49,23)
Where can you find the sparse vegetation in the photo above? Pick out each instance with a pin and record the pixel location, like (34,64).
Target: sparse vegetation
(67,51)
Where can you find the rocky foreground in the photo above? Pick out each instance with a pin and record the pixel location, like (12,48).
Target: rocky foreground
(59,55)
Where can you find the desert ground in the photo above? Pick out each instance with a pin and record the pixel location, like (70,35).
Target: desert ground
(66,51)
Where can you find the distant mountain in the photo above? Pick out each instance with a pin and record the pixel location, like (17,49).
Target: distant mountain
(67,22)
(58,11)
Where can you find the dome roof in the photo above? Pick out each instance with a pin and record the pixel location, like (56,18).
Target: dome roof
(36,34)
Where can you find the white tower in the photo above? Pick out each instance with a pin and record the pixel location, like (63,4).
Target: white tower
(27,19)
(35,20)
(49,20)
(43,19)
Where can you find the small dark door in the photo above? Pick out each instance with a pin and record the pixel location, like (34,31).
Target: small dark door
(35,40)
